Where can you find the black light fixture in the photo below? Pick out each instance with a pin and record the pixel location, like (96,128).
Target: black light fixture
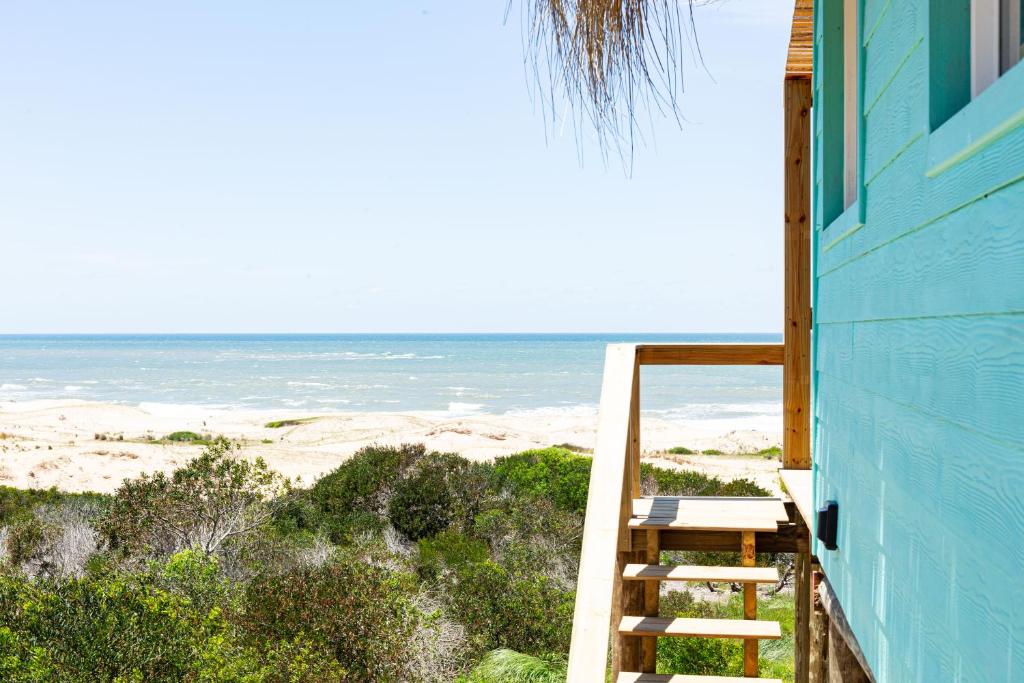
(828,524)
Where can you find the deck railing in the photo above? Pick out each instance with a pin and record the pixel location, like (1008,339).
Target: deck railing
(615,481)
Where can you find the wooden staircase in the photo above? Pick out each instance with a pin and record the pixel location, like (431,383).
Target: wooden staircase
(625,533)
(655,516)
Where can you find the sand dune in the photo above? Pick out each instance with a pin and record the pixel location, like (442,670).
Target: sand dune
(85,445)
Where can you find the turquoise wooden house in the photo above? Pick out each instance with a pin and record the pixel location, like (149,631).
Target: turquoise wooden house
(918,341)
(903,375)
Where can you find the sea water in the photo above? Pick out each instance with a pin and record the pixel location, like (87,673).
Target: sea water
(456,374)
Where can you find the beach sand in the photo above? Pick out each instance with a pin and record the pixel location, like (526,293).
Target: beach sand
(93,446)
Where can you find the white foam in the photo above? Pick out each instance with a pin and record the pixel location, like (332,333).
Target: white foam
(459,409)
(12,387)
(73,387)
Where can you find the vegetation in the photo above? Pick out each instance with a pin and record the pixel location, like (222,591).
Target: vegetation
(401,564)
(682,450)
(293,422)
(189,437)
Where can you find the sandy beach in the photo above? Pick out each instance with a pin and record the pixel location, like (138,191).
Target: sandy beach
(88,445)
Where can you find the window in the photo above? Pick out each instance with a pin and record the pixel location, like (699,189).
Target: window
(851,112)
(839,80)
(995,40)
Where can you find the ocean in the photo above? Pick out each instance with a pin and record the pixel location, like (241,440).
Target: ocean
(455,374)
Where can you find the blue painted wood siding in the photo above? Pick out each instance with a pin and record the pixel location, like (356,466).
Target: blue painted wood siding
(919,359)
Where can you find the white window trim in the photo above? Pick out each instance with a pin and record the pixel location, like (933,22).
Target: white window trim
(995,41)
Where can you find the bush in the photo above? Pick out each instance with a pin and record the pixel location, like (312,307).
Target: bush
(559,474)
(187,437)
(448,551)
(719,657)
(116,629)
(360,613)
(712,451)
(681,450)
(361,487)
(214,499)
(441,489)
(511,608)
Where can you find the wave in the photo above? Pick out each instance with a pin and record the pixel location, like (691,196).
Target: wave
(715,411)
(459,409)
(73,387)
(576,410)
(308,384)
(12,387)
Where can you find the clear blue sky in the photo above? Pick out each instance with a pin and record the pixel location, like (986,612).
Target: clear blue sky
(316,166)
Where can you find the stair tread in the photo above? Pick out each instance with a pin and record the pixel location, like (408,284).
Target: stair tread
(700,628)
(708,513)
(668,572)
(631,677)
(704,524)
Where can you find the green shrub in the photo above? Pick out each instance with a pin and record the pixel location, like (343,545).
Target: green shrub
(25,538)
(362,484)
(439,490)
(511,608)
(679,482)
(771,452)
(556,473)
(449,550)
(85,630)
(293,422)
(188,437)
(214,499)
(719,657)
(681,450)
(712,451)
(19,503)
(743,488)
(361,613)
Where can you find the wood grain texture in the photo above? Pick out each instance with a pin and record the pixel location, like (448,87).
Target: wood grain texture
(684,678)
(648,627)
(710,354)
(600,568)
(748,558)
(796,372)
(782,541)
(665,572)
(652,598)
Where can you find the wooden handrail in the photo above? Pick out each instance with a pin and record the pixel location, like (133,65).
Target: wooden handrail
(614,481)
(591,622)
(710,354)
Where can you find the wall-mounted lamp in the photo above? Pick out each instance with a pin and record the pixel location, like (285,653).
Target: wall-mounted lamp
(828,524)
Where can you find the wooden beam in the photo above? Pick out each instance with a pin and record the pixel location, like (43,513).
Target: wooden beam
(599,556)
(634,433)
(818,665)
(652,598)
(748,558)
(710,354)
(802,619)
(783,541)
(796,374)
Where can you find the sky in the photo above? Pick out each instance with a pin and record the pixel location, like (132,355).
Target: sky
(327,166)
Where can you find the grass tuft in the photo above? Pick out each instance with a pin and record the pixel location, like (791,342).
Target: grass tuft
(509,666)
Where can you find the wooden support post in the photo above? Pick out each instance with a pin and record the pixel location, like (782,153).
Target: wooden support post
(652,597)
(843,666)
(634,431)
(796,373)
(803,589)
(748,558)
(818,664)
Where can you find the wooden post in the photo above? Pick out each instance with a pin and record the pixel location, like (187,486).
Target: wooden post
(803,589)
(796,373)
(652,598)
(818,664)
(843,666)
(748,558)
(634,430)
